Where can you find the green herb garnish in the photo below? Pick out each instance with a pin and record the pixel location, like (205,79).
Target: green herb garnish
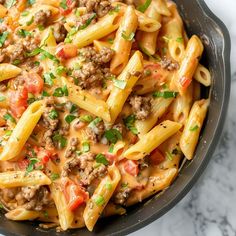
(129,37)
(86,118)
(165,94)
(85,146)
(113,135)
(62,141)
(121,84)
(129,123)
(196,127)
(100,158)
(53,114)
(69,118)
(3,38)
(145,6)
(9,117)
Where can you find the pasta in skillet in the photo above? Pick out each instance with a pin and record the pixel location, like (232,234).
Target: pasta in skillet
(100,101)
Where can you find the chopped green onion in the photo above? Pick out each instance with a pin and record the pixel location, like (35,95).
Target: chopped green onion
(169,156)
(54,176)
(31,2)
(62,142)
(31,165)
(3,38)
(100,158)
(111,41)
(69,118)
(85,146)
(53,114)
(86,118)
(93,123)
(63,4)
(60,70)
(113,135)
(23,33)
(196,127)
(74,108)
(165,94)
(180,40)
(2,98)
(145,6)
(88,22)
(99,200)
(45,94)
(16,62)
(8,132)
(25,13)
(9,117)
(129,123)
(48,78)
(111,148)
(30,21)
(116,9)
(124,185)
(60,92)
(108,186)
(129,37)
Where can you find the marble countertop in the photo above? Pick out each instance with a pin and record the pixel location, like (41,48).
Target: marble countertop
(209,209)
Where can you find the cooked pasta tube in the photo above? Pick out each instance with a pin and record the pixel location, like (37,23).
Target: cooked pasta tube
(202,75)
(123,41)
(13,179)
(130,76)
(161,7)
(196,91)
(151,140)
(3,11)
(189,64)
(8,71)
(181,106)
(54,3)
(159,107)
(145,23)
(112,209)
(148,40)
(157,182)
(65,215)
(144,86)
(99,45)
(22,131)
(101,197)
(86,101)
(191,132)
(103,27)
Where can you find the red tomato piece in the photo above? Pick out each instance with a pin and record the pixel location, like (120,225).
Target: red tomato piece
(67,9)
(66,51)
(34,83)
(23,164)
(74,194)
(110,157)
(44,155)
(156,157)
(18,101)
(131,167)
(185,82)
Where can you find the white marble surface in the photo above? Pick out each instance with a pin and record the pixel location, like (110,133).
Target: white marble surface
(209,209)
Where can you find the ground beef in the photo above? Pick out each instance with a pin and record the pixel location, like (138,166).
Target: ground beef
(82,20)
(59,32)
(41,17)
(14,52)
(70,152)
(84,166)
(96,132)
(141,106)
(102,57)
(121,197)
(2,2)
(30,43)
(8,194)
(120,127)
(169,65)
(100,7)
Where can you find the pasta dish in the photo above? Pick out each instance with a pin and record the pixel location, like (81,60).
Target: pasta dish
(100,103)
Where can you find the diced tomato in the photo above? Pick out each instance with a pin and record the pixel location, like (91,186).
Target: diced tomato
(68,8)
(18,101)
(23,164)
(74,194)
(185,82)
(131,167)
(110,157)
(66,51)
(34,83)
(156,157)
(44,155)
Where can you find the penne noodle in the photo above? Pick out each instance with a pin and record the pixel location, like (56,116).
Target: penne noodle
(123,41)
(21,213)
(101,197)
(99,45)
(161,7)
(202,75)
(13,179)
(130,75)
(22,131)
(191,132)
(8,71)
(3,11)
(151,140)
(86,101)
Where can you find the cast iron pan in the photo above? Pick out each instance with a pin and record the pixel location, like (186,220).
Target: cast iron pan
(199,20)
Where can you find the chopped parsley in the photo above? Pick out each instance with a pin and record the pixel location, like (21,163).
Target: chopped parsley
(53,114)
(113,135)
(194,128)
(164,94)
(62,141)
(61,91)
(3,38)
(129,37)
(121,84)
(32,162)
(100,158)
(99,200)
(85,146)
(9,117)
(69,118)
(144,6)
(129,123)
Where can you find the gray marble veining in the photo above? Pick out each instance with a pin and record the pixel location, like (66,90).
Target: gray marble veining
(209,209)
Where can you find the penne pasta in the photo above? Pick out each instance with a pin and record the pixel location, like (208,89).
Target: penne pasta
(22,131)
(202,75)
(149,141)
(130,76)
(3,11)
(13,179)
(101,197)
(191,132)
(123,41)
(21,213)
(8,71)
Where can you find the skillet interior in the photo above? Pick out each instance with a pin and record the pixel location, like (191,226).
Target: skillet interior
(201,21)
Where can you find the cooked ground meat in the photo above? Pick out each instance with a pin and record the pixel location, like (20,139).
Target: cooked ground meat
(168,64)
(70,152)
(2,2)
(59,32)
(34,197)
(41,17)
(102,57)
(82,20)
(120,127)
(84,165)
(100,7)
(141,106)
(122,196)
(7,194)
(96,132)
(30,43)
(14,52)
